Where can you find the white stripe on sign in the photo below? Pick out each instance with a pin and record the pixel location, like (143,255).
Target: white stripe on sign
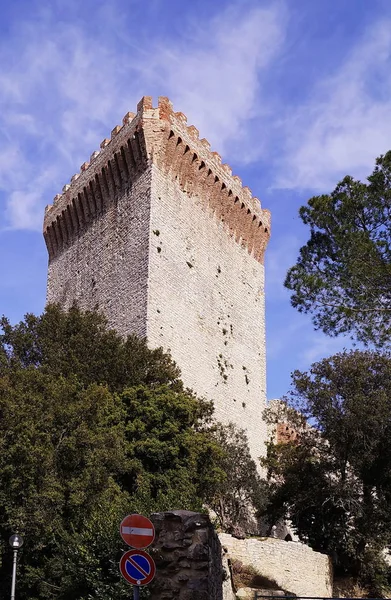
(137,531)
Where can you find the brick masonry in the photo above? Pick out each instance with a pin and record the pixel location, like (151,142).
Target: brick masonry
(206,304)
(158,233)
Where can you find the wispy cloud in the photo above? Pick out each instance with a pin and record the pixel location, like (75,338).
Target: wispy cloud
(60,96)
(66,83)
(71,83)
(345,123)
(319,346)
(292,340)
(215,73)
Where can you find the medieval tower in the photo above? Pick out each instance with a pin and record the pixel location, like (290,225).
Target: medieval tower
(160,235)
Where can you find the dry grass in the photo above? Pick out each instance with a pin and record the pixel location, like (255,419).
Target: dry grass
(347,587)
(247,576)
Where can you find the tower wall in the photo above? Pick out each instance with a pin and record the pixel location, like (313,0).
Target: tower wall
(156,232)
(206,304)
(105,263)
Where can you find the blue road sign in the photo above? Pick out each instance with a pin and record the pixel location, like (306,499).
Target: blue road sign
(137,567)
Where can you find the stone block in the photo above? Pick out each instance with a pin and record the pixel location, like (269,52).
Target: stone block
(196,572)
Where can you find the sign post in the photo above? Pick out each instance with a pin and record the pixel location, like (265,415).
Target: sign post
(136,566)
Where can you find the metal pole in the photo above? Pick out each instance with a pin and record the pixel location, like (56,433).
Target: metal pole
(136,592)
(14,574)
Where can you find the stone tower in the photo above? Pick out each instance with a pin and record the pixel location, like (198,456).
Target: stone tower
(160,235)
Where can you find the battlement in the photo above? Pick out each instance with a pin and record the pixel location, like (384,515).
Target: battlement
(156,136)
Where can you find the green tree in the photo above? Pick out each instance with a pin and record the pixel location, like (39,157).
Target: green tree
(335,483)
(62,451)
(343,273)
(239,493)
(92,427)
(81,345)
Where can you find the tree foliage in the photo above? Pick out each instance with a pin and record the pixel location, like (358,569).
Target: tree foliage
(335,483)
(92,427)
(80,344)
(343,273)
(239,495)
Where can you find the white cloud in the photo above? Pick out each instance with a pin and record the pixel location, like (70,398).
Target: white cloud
(346,122)
(70,83)
(215,73)
(21,209)
(61,95)
(292,337)
(9,162)
(66,84)
(22,203)
(319,346)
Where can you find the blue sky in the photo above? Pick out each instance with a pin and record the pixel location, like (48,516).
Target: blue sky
(294,95)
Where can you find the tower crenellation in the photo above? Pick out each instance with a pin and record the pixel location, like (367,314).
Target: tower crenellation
(156,134)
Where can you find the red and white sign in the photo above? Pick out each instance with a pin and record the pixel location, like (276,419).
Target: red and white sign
(137,531)
(137,567)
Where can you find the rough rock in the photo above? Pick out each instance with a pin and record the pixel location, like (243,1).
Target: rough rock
(187,554)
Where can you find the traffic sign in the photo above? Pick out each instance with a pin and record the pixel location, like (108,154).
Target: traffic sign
(137,531)
(137,567)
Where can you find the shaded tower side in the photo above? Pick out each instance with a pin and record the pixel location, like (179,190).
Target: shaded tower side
(97,233)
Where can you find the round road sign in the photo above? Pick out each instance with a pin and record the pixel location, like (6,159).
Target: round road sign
(137,567)
(137,531)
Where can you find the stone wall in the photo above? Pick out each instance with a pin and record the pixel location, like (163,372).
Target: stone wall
(106,265)
(187,554)
(193,562)
(295,568)
(206,304)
